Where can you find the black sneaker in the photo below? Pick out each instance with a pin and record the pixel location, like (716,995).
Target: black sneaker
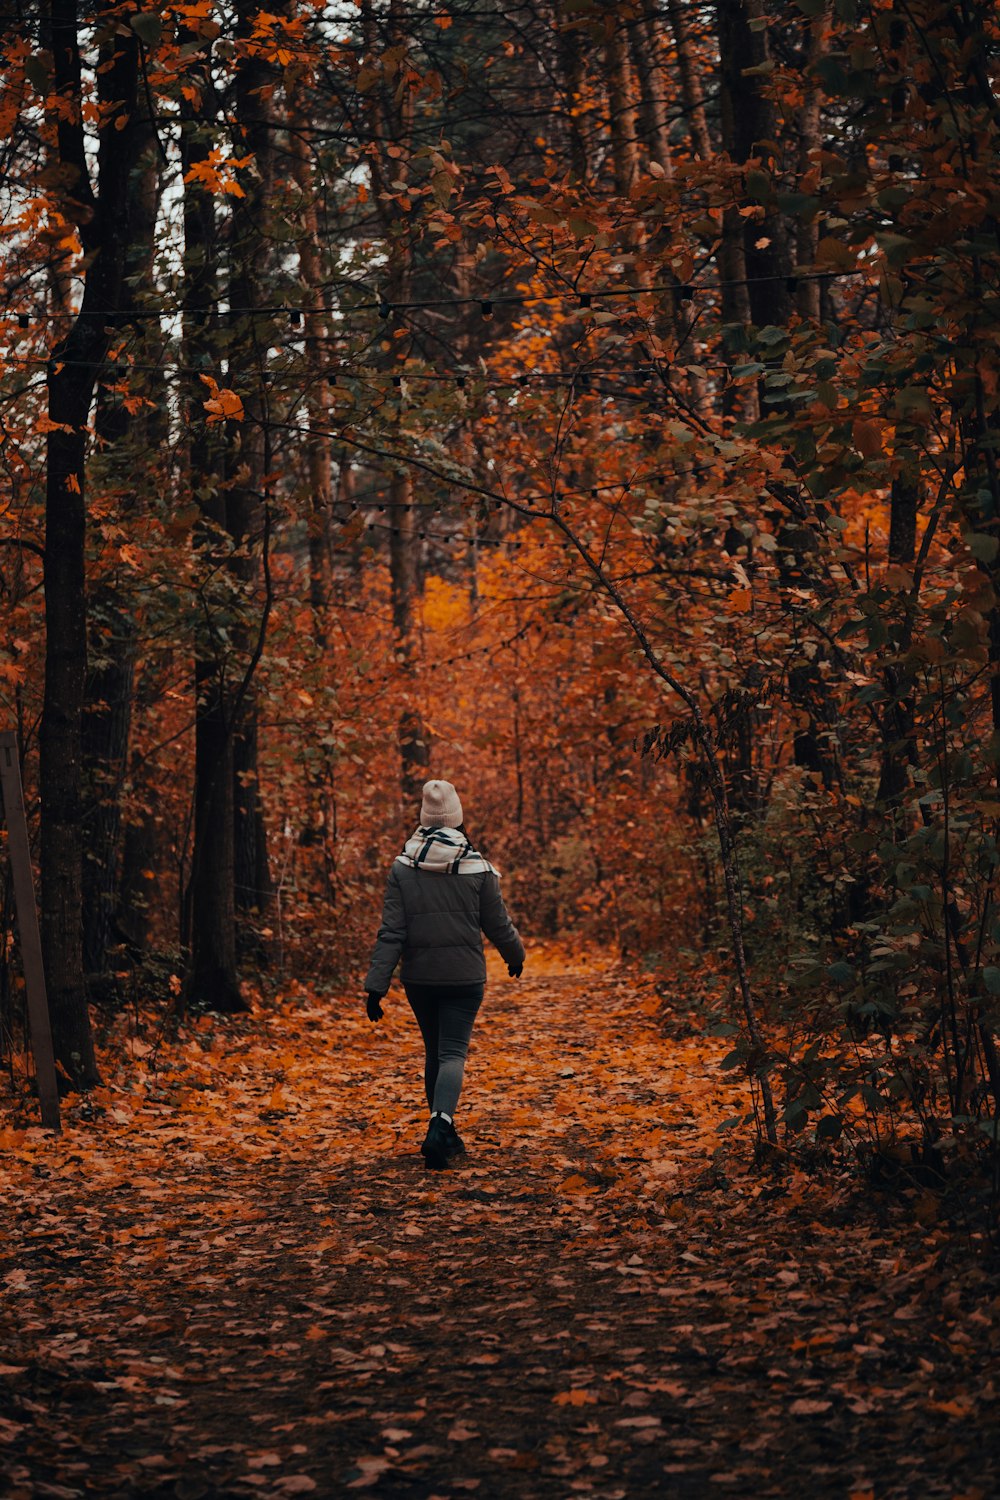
(437,1143)
(456,1146)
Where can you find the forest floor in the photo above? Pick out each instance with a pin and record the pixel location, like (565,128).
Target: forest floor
(233,1276)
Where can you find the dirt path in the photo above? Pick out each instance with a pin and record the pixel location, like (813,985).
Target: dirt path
(239,1279)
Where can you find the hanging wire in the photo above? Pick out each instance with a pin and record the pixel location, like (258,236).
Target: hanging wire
(486,303)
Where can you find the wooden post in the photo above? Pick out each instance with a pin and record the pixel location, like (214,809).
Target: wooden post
(27,926)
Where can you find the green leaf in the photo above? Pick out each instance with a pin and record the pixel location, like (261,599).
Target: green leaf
(830,1128)
(983,547)
(898,249)
(758,183)
(913,398)
(841,972)
(832,74)
(37,74)
(147,27)
(991,979)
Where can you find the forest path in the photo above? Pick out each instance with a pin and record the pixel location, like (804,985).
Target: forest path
(238,1278)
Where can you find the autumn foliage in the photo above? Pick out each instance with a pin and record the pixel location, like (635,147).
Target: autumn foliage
(600,410)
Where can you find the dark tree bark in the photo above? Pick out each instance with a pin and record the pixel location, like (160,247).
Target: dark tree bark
(104,743)
(391,123)
(138,885)
(808,289)
(646,48)
(737,313)
(209,926)
(622,119)
(103,217)
(300,135)
(108,705)
(899,748)
(414,751)
(692,94)
(251,258)
(570,54)
(749,131)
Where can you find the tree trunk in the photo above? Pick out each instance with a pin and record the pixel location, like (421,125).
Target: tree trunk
(251,258)
(899,749)
(692,94)
(622,123)
(315,332)
(742,400)
(212,982)
(209,926)
(392,124)
(414,751)
(646,54)
(807,294)
(104,746)
(138,883)
(571,67)
(750,130)
(71,378)
(112,630)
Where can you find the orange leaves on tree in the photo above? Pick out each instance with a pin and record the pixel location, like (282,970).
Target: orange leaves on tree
(278,38)
(866,434)
(215,173)
(44,423)
(223,405)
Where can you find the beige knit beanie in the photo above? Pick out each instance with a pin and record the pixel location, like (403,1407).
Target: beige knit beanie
(440,807)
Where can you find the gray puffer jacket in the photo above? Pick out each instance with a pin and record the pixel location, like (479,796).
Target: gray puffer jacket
(436,922)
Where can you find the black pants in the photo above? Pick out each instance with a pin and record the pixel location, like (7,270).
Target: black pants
(446,1014)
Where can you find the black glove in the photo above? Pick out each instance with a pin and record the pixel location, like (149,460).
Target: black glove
(514,970)
(374,1006)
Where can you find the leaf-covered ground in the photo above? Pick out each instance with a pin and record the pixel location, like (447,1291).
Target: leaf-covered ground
(235,1277)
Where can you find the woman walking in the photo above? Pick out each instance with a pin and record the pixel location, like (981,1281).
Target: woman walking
(440,898)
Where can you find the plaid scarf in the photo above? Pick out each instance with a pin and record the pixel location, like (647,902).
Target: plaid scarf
(445,851)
